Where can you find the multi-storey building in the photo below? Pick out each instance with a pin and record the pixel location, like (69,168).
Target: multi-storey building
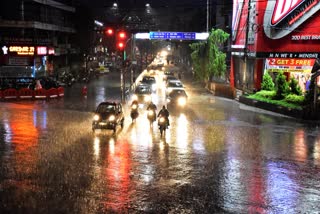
(36,36)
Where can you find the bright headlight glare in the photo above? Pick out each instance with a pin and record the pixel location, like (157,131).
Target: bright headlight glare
(150,112)
(134,97)
(154,86)
(162,120)
(112,118)
(182,101)
(147,98)
(134,106)
(96,117)
(168,100)
(169,90)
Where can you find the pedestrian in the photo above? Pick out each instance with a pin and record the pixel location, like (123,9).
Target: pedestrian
(84,90)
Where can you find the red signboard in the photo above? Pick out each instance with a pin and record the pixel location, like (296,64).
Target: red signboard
(42,50)
(277,26)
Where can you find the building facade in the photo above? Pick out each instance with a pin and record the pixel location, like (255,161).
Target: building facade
(36,36)
(273,36)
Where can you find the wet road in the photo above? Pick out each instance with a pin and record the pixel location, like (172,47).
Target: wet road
(217,157)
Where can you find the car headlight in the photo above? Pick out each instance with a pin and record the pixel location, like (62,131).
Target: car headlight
(154,87)
(147,98)
(96,117)
(134,97)
(112,118)
(182,101)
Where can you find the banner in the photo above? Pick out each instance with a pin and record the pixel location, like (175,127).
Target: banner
(289,65)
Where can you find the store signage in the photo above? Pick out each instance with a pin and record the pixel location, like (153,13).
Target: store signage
(5,50)
(289,64)
(42,50)
(22,50)
(51,51)
(284,26)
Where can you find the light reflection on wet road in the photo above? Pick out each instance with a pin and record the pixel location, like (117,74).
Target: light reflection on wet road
(215,158)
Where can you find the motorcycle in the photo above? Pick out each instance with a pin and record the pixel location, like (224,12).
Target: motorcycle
(151,116)
(134,112)
(163,124)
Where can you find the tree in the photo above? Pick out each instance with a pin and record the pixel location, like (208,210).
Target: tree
(282,86)
(207,58)
(294,86)
(217,59)
(198,57)
(267,82)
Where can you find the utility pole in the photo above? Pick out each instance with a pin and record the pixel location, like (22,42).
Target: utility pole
(207,28)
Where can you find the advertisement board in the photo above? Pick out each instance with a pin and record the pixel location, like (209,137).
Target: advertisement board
(276,26)
(289,65)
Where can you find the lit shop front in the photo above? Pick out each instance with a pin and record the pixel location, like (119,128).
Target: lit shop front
(300,69)
(273,36)
(25,60)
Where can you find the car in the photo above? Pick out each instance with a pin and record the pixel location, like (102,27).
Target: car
(177,97)
(166,74)
(173,84)
(142,93)
(150,81)
(108,115)
(170,78)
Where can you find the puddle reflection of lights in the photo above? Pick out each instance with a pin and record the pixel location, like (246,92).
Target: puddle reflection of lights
(96,147)
(8,132)
(316,153)
(182,131)
(111,145)
(161,145)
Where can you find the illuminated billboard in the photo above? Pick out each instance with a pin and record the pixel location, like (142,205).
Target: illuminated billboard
(277,26)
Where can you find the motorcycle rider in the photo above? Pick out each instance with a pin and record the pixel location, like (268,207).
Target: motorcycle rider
(165,113)
(152,107)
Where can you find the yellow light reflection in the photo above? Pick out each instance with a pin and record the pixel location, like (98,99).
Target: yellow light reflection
(182,131)
(300,149)
(96,147)
(316,153)
(111,145)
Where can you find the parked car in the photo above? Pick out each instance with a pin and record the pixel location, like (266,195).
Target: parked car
(108,115)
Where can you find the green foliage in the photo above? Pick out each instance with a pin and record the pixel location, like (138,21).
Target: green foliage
(276,102)
(267,82)
(293,98)
(294,87)
(282,86)
(198,57)
(217,59)
(207,58)
(266,94)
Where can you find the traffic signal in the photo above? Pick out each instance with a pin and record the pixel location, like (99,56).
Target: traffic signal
(121,40)
(109,31)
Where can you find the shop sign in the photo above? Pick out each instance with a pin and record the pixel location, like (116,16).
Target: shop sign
(289,65)
(51,51)
(42,50)
(276,25)
(22,50)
